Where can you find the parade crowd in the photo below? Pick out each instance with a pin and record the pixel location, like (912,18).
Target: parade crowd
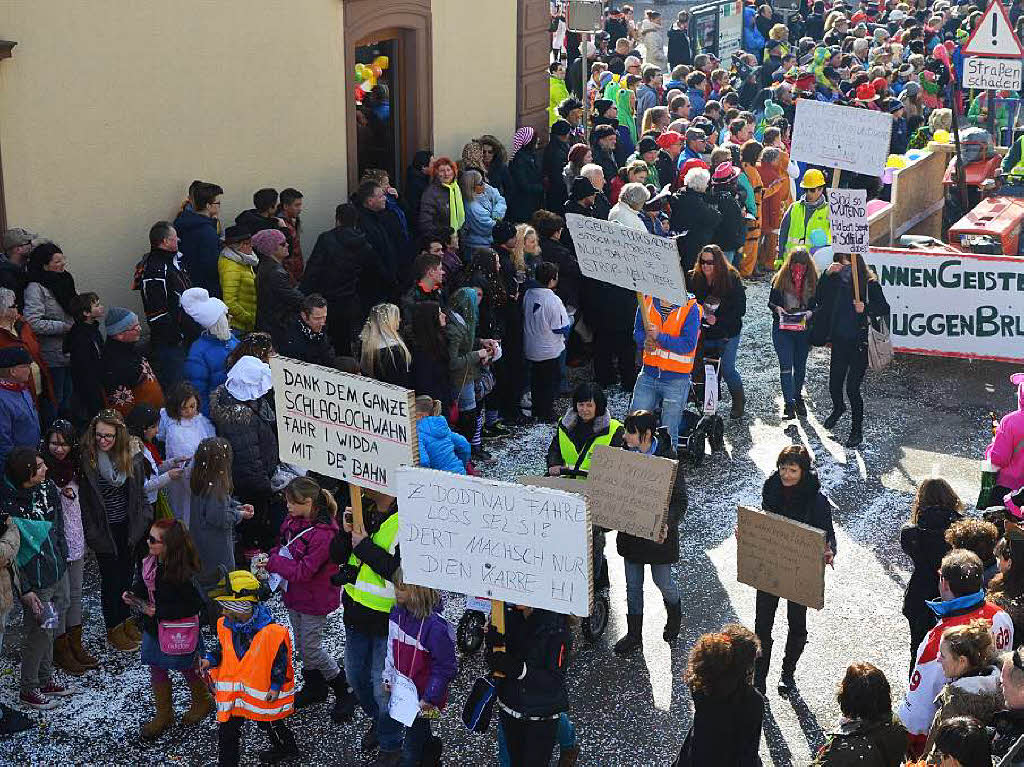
(161,458)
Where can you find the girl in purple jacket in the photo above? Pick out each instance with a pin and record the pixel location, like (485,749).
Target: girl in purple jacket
(301,567)
(421,647)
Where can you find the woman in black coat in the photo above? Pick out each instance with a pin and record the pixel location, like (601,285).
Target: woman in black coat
(936,506)
(793,491)
(526,192)
(844,321)
(429,348)
(728,710)
(640,433)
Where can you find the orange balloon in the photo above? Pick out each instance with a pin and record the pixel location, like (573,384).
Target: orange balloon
(377,71)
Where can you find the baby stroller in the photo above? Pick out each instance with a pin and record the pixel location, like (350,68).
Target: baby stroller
(701,425)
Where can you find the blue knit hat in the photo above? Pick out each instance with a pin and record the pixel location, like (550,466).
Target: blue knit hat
(119,320)
(12,356)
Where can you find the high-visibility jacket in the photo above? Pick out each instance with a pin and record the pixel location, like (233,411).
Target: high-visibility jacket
(371,589)
(799,234)
(673,326)
(571,456)
(1017,171)
(241,685)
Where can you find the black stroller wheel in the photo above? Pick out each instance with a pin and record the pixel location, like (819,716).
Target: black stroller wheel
(470,633)
(595,623)
(695,447)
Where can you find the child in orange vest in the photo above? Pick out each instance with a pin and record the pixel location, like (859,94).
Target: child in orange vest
(252,672)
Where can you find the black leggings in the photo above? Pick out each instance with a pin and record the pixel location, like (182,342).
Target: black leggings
(529,742)
(764,619)
(229,737)
(545,378)
(848,364)
(116,573)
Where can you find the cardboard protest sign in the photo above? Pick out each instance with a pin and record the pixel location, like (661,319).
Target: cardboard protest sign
(780,556)
(953,304)
(848,215)
(523,545)
(345,426)
(841,137)
(628,258)
(992,74)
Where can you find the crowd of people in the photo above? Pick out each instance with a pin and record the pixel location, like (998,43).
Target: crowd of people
(162,458)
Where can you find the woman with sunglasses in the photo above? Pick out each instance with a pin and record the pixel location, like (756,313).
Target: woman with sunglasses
(116,515)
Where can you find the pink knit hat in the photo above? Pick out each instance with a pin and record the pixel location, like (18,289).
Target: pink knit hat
(266,241)
(523,137)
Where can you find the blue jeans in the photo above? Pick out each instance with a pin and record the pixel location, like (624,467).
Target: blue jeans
(416,738)
(792,348)
(169,364)
(364,667)
(726,349)
(662,575)
(62,388)
(670,394)
(566,738)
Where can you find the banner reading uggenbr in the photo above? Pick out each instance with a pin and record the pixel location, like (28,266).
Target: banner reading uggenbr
(953,304)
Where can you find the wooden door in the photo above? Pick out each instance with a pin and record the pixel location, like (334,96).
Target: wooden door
(533,55)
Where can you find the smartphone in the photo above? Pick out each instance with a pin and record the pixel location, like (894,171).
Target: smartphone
(348,517)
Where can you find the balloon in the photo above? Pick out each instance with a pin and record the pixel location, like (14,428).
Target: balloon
(369,81)
(941,53)
(359,93)
(942,137)
(359,69)
(359,76)
(896,161)
(376,71)
(950,45)
(382,62)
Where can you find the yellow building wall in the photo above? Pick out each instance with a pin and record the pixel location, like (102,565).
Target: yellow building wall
(474,72)
(109,109)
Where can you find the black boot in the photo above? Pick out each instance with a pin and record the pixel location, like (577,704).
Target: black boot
(634,638)
(739,401)
(282,745)
(344,698)
(834,417)
(800,406)
(314,689)
(856,436)
(602,581)
(794,649)
(675,618)
(761,666)
(788,412)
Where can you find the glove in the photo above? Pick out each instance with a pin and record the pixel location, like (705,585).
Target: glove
(502,663)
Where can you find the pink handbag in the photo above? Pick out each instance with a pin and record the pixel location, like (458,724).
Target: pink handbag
(179,637)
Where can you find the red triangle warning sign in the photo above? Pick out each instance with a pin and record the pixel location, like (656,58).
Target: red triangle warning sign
(994,35)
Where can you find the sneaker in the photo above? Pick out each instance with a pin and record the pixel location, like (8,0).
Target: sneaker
(497,429)
(36,699)
(479,454)
(789,412)
(787,684)
(53,689)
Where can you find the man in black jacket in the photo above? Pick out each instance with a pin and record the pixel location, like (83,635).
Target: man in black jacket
(162,282)
(602,145)
(305,338)
(381,278)
(334,270)
(556,155)
(17,244)
(263,215)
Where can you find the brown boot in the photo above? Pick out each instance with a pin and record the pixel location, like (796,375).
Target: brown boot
(202,702)
(81,655)
(164,716)
(64,659)
(119,639)
(131,630)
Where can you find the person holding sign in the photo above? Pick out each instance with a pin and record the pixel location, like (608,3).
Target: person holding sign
(806,215)
(668,342)
(370,555)
(792,302)
(640,434)
(794,492)
(842,318)
(529,663)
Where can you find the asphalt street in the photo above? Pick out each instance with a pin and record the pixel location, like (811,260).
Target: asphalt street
(925,417)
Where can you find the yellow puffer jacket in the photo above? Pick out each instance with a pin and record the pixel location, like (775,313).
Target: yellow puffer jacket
(238,284)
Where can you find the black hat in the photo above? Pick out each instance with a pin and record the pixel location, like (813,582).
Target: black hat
(602,131)
(561,128)
(647,144)
(502,232)
(236,234)
(581,189)
(568,105)
(12,356)
(603,105)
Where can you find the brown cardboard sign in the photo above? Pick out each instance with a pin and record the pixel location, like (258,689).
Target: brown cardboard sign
(780,556)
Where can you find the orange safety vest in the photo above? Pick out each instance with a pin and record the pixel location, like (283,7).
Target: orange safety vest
(673,326)
(241,686)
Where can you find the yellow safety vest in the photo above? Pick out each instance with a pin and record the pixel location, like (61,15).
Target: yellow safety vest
(370,588)
(571,456)
(797,236)
(1017,171)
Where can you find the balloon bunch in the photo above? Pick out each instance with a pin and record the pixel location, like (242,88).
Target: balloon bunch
(367,75)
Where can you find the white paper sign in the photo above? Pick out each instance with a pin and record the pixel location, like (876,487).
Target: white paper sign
(404,705)
(848,215)
(954,305)
(524,545)
(345,426)
(841,137)
(629,258)
(992,74)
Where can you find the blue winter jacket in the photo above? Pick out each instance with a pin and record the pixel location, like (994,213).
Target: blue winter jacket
(481,216)
(440,447)
(200,249)
(205,366)
(19,421)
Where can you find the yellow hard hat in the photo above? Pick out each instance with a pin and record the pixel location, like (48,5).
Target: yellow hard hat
(812,179)
(238,586)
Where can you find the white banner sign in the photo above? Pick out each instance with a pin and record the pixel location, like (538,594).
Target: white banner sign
(848,214)
(841,137)
(345,426)
(953,305)
(524,545)
(628,258)
(993,74)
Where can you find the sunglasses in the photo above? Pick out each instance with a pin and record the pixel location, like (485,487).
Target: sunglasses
(153,540)
(706,263)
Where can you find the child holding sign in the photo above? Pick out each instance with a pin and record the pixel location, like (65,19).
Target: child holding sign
(418,668)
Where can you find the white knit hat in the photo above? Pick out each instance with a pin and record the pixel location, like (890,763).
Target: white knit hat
(249,379)
(202,307)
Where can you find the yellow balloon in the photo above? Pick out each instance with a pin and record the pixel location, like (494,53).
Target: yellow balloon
(382,62)
(368,79)
(942,136)
(896,161)
(360,68)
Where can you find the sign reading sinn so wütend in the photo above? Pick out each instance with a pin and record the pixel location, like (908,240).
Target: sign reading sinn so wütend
(345,426)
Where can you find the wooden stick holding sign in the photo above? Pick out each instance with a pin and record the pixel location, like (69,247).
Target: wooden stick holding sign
(498,621)
(355,498)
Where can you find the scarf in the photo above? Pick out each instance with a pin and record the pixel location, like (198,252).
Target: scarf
(61,472)
(111,474)
(457,211)
(247,259)
(61,284)
(798,272)
(307,331)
